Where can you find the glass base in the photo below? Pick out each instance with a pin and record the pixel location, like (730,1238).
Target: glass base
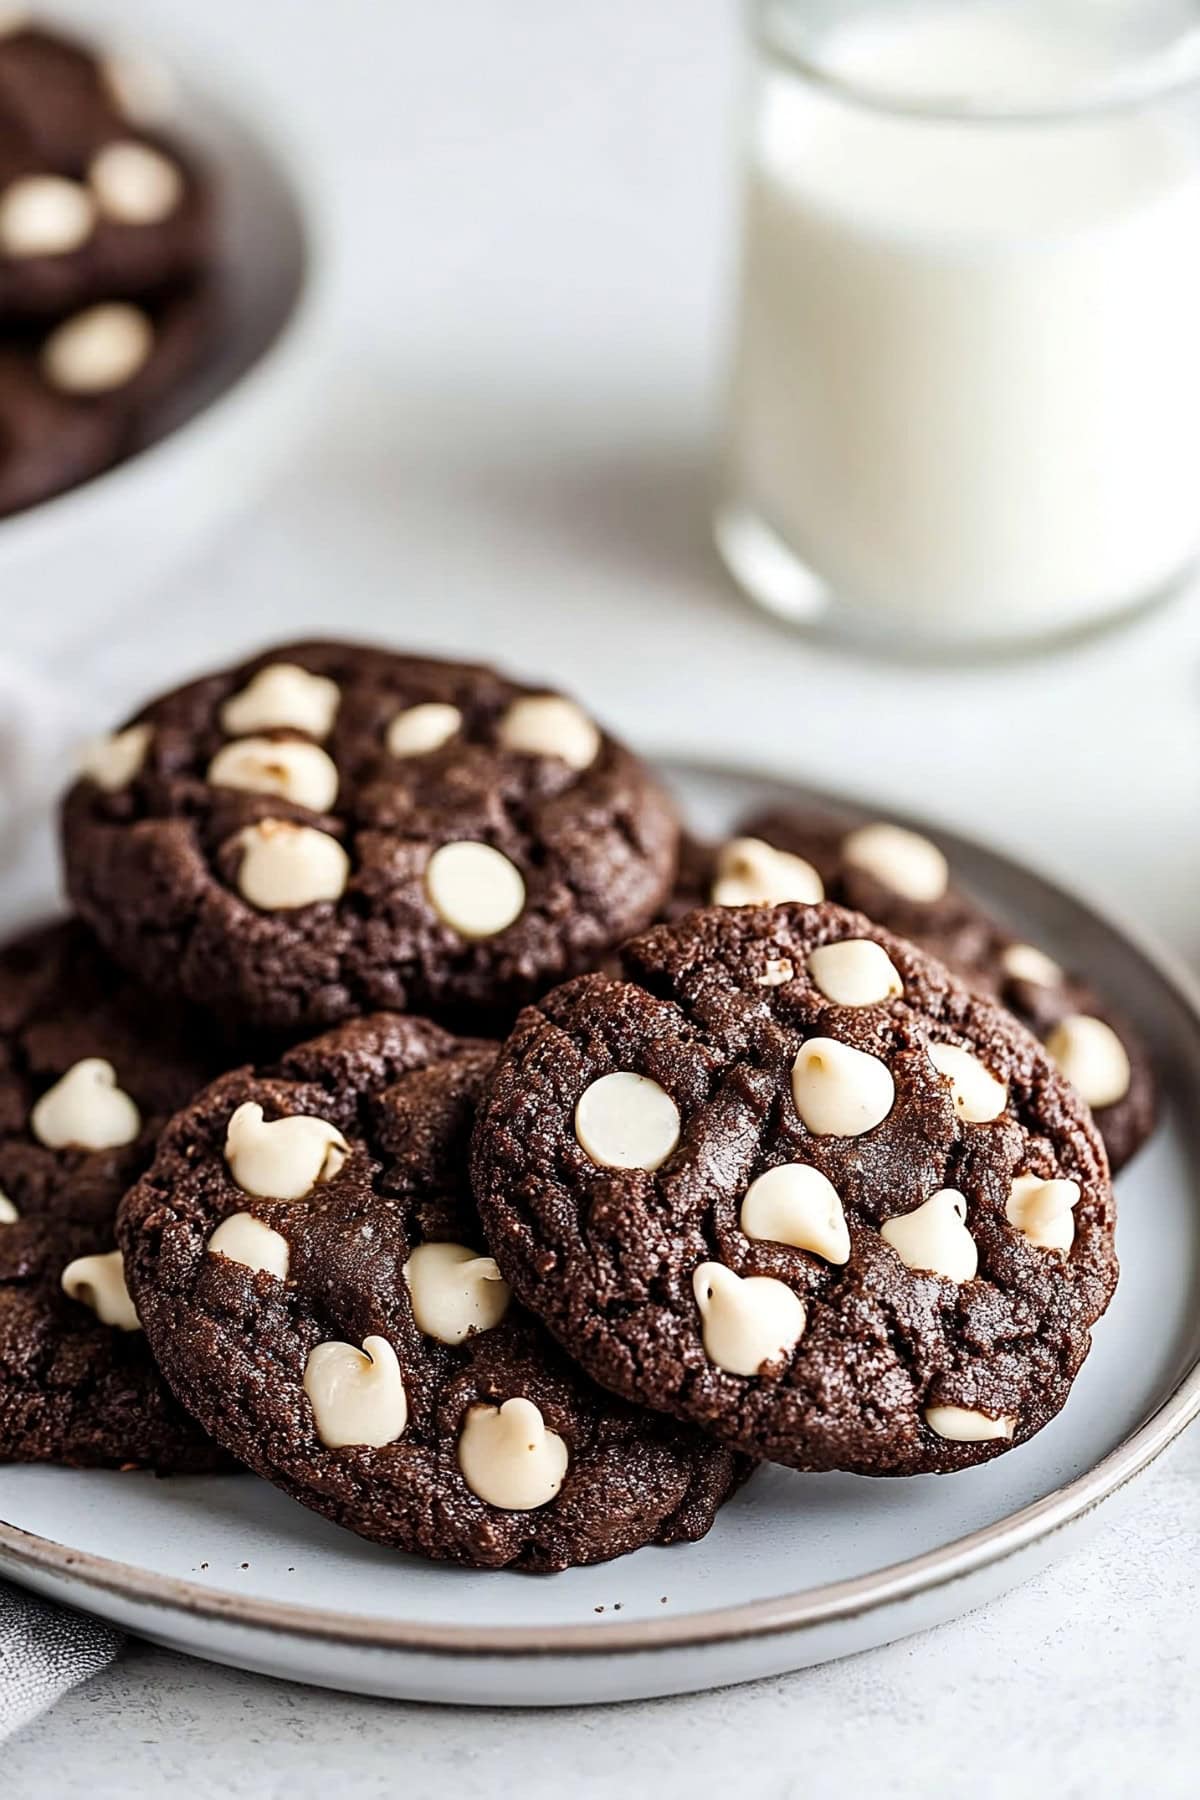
(769,572)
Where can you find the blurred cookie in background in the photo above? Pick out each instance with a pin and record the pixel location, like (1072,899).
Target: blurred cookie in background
(92,204)
(77,397)
(108,247)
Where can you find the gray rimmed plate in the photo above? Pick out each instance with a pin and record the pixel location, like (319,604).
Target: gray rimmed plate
(797,1570)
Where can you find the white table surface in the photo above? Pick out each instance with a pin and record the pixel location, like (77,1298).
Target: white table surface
(533,206)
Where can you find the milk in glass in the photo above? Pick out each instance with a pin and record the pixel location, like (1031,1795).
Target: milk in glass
(967,375)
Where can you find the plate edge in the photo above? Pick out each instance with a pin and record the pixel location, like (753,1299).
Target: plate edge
(804,1610)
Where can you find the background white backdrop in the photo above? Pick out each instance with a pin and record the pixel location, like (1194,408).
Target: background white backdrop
(532,211)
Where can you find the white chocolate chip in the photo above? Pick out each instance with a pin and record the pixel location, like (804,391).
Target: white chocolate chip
(626,1121)
(98,350)
(142,88)
(246,1240)
(99,1282)
(455,1291)
(419,730)
(747,1322)
(1042,1211)
(978,1096)
(8,1212)
(112,762)
(549,725)
(357,1396)
(901,860)
(509,1458)
(933,1238)
(134,183)
(285,866)
(1092,1057)
(86,1110)
(840,1092)
(855,972)
(960,1425)
(282,1159)
(290,767)
(474,889)
(44,215)
(795,1204)
(751,873)
(1025,962)
(280,696)
(777,972)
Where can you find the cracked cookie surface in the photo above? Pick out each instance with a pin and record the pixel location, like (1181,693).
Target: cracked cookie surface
(330,828)
(797,1318)
(355,1344)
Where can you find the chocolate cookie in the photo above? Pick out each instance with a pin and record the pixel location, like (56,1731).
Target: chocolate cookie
(79,397)
(903,882)
(350,1340)
(331,828)
(62,96)
(92,207)
(897,878)
(794,1183)
(89,1071)
(77,1387)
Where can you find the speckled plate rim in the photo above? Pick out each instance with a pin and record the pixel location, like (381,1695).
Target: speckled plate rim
(806,1609)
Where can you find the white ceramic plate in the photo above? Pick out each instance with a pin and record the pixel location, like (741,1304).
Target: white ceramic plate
(798,1569)
(227,429)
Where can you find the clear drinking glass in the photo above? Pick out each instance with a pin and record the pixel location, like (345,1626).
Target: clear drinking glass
(966,377)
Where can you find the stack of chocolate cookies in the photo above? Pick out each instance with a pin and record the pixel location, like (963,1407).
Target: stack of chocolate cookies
(107,259)
(364,1128)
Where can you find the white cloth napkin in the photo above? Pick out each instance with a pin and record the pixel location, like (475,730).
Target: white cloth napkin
(44,1651)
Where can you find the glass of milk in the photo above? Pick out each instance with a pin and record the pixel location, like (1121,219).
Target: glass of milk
(965,395)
